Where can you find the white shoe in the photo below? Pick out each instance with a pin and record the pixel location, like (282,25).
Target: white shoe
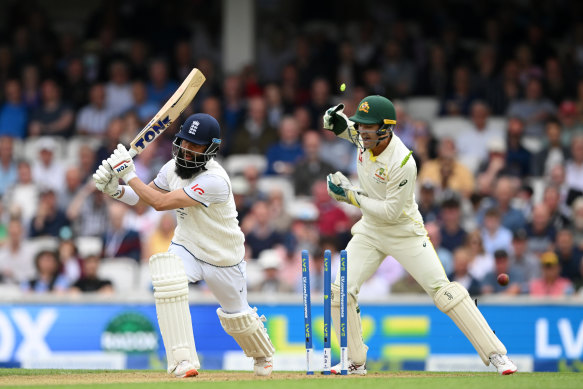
(185,369)
(353,368)
(263,366)
(503,364)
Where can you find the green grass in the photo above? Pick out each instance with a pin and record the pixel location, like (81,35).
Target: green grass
(49,379)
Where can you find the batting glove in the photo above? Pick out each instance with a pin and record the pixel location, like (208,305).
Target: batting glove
(106,181)
(122,164)
(335,120)
(341,189)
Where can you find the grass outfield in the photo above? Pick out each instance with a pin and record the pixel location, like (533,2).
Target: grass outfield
(145,379)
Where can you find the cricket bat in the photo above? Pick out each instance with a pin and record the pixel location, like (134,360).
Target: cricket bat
(169,112)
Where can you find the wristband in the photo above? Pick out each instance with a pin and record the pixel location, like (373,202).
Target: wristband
(126,194)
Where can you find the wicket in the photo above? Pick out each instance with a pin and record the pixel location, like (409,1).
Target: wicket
(327,312)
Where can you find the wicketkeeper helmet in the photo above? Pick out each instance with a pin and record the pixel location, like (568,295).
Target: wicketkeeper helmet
(375,110)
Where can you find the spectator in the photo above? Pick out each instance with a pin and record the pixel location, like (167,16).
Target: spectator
(570,121)
(160,240)
(481,262)
(143,106)
(278,210)
(551,284)
(461,260)
(285,154)
(90,281)
(568,254)
(523,259)
(332,220)
(53,117)
(47,279)
(260,233)
(492,167)
(160,88)
(337,152)
(69,259)
(517,282)
(577,226)
(398,72)
(48,219)
(518,158)
(504,193)
(404,128)
(17,255)
(75,86)
(533,110)
(540,231)
(13,113)
(427,203)
(452,233)
(473,142)
(47,171)
(118,90)
(88,211)
(434,234)
(72,185)
(256,135)
(574,166)
(8,167)
(31,95)
(311,168)
(319,101)
(233,108)
(406,285)
(23,195)
(94,117)
(494,235)
(459,100)
(558,211)
(274,105)
(118,240)
(270,262)
(553,153)
(447,171)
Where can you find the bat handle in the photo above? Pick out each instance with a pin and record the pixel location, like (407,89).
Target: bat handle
(133,152)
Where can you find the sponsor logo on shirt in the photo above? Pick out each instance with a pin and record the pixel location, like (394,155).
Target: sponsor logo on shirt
(402,183)
(197,189)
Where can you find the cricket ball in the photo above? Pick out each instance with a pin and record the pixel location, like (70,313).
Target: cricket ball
(503,279)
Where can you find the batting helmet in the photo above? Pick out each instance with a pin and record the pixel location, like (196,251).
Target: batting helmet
(200,129)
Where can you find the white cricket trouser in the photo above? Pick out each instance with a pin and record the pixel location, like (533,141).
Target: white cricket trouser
(228,284)
(408,244)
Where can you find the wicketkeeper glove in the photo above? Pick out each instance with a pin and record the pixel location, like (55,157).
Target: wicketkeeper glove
(336,120)
(122,164)
(106,181)
(341,189)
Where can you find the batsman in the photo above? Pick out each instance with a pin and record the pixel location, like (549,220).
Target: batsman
(207,243)
(392,225)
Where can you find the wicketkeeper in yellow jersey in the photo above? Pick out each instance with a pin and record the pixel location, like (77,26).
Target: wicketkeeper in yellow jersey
(392,225)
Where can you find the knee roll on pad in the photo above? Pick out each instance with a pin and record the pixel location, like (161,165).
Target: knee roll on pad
(171,296)
(454,300)
(356,348)
(248,331)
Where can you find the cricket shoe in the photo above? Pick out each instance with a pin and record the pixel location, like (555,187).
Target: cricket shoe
(503,364)
(353,368)
(263,366)
(185,369)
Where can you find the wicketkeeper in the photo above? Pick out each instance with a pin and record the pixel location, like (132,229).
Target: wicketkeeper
(207,243)
(392,225)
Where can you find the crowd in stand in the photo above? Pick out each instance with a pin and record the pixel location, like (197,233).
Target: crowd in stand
(500,190)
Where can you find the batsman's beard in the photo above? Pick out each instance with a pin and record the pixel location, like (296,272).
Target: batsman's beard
(190,167)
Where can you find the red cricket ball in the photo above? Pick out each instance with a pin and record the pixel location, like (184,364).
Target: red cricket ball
(503,279)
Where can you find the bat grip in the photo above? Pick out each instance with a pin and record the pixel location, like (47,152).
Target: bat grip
(133,152)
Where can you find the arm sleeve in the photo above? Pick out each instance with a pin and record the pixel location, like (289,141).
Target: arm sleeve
(208,189)
(161,180)
(400,189)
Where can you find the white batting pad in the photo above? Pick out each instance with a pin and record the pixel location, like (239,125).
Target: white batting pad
(454,300)
(171,296)
(248,330)
(356,347)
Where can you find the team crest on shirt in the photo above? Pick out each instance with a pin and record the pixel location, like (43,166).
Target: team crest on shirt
(364,106)
(380,175)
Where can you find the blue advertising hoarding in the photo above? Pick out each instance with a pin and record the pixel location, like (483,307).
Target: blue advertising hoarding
(399,336)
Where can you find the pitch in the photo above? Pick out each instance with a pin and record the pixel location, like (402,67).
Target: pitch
(87,379)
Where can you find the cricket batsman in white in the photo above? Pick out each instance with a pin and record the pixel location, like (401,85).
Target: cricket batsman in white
(207,243)
(392,225)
